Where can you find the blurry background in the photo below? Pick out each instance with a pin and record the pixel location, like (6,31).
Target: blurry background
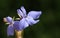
(49,25)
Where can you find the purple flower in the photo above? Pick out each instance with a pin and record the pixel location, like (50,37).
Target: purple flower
(28,19)
(10,28)
(14,25)
(25,21)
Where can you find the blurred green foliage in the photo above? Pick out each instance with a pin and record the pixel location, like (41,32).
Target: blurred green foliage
(48,27)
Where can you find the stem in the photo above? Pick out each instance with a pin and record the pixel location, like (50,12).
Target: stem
(19,34)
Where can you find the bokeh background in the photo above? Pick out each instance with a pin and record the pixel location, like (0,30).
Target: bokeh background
(49,25)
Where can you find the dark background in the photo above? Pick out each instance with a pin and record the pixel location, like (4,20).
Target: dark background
(49,25)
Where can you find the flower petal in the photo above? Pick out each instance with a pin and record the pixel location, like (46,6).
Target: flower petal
(20,25)
(23,10)
(34,14)
(9,19)
(19,12)
(23,24)
(16,25)
(10,30)
(31,21)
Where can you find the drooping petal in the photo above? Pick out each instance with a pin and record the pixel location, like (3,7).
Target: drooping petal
(19,12)
(23,10)
(34,14)
(31,21)
(10,30)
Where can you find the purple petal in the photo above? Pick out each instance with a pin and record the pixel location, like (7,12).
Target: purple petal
(20,25)
(23,24)
(34,14)
(10,30)
(31,21)
(19,12)
(9,19)
(23,10)
(16,25)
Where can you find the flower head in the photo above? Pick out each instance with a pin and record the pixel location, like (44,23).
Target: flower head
(13,25)
(28,19)
(10,28)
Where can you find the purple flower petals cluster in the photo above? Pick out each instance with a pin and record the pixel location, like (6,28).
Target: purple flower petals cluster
(27,19)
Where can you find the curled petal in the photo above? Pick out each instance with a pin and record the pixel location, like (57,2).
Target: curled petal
(19,12)
(34,14)
(10,30)
(23,10)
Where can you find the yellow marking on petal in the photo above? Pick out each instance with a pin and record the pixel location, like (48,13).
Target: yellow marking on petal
(19,15)
(6,23)
(13,17)
(17,18)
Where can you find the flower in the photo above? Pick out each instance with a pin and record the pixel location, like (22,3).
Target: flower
(12,25)
(10,28)
(27,19)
